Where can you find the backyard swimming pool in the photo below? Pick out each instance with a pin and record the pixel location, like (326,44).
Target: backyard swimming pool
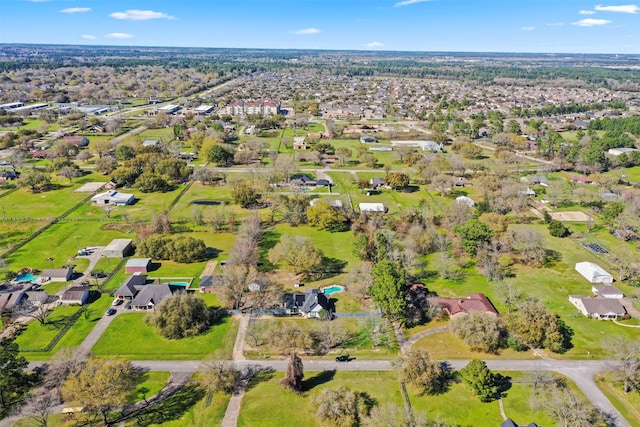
(184,284)
(332,289)
(26,277)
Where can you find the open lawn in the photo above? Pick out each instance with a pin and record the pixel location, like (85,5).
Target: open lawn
(13,232)
(23,203)
(221,194)
(36,336)
(356,331)
(149,345)
(61,241)
(458,406)
(627,403)
(206,412)
(75,335)
(445,345)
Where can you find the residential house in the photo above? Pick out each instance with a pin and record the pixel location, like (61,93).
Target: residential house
(113,197)
(598,308)
(474,302)
(460,181)
(78,141)
(430,146)
(607,291)
(372,208)
(75,295)
(335,203)
(536,180)
(118,248)
(580,179)
(593,272)
(302,180)
(150,296)
(56,274)
(366,139)
(137,265)
(308,304)
(376,182)
(510,423)
(7,175)
(130,287)
(151,143)
(299,144)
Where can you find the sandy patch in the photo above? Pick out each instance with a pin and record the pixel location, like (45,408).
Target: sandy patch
(90,187)
(571,216)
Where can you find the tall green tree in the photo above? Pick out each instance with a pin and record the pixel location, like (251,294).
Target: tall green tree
(297,251)
(14,380)
(388,290)
(416,368)
(181,315)
(473,234)
(479,378)
(102,386)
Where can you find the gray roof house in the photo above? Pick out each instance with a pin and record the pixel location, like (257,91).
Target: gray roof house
(56,274)
(130,287)
(598,308)
(376,182)
(607,291)
(118,248)
(75,295)
(308,304)
(150,296)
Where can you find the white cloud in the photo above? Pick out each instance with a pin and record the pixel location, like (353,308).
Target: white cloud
(591,22)
(527,28)
(408,2)
(88,37)
(119,36)
(374,44)
(140,15)
(587,12)
(75,10)
(306,31)
(555,24)
(626,8)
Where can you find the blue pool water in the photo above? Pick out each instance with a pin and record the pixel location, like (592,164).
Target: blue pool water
(332,289)
(26,277)
(185,284)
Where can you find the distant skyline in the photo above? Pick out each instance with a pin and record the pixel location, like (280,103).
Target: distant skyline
(554,26)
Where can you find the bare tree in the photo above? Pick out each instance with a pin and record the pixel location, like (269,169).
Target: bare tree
(39,312)
(294,374)
(626,361)
(41,404)
(219,375)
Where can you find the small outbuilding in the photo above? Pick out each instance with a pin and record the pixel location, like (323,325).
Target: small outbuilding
(118,248)
(56,274)
(607,291)
(137,265)
(593,272)
(75,295)
(372,208)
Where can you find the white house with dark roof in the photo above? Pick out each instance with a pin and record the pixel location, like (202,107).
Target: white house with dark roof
(56,274)
(150,296)
(598,308)
(75,295)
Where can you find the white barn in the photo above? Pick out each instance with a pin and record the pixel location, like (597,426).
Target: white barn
(372,208)
(593,272)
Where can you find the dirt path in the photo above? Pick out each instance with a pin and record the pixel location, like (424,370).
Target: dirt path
(409,342)
(209,268)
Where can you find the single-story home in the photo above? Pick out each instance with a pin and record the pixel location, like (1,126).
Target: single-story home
(376,182)
(8,175)
(75,295)
(536,180)
(474,302)
(598,308)
(130,287)
(308,304)
(365,139)
(607,291)
(118,248)
(150,143)
(150,296)
(459,181)
(593,272)
(430,146)
(113,197)
(372,208)
(137,265)
(56,274)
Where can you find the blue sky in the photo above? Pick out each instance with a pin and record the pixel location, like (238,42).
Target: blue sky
(574,26)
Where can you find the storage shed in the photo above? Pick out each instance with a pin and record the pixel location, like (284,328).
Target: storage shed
(137,265)
(118,248)
(593,272)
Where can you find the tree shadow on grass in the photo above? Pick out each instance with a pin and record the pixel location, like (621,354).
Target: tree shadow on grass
(256,375)
(329,267)
(321,378)
(270,238)
(170,409)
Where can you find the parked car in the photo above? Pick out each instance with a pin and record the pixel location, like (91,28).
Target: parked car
(110,312)
(343,358)
(117,301)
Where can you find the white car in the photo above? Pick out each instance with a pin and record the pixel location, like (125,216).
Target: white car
(117,301)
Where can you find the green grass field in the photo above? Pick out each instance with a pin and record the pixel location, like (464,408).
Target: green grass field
(130,328)
(36,336)
(627,403)
(458,406)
